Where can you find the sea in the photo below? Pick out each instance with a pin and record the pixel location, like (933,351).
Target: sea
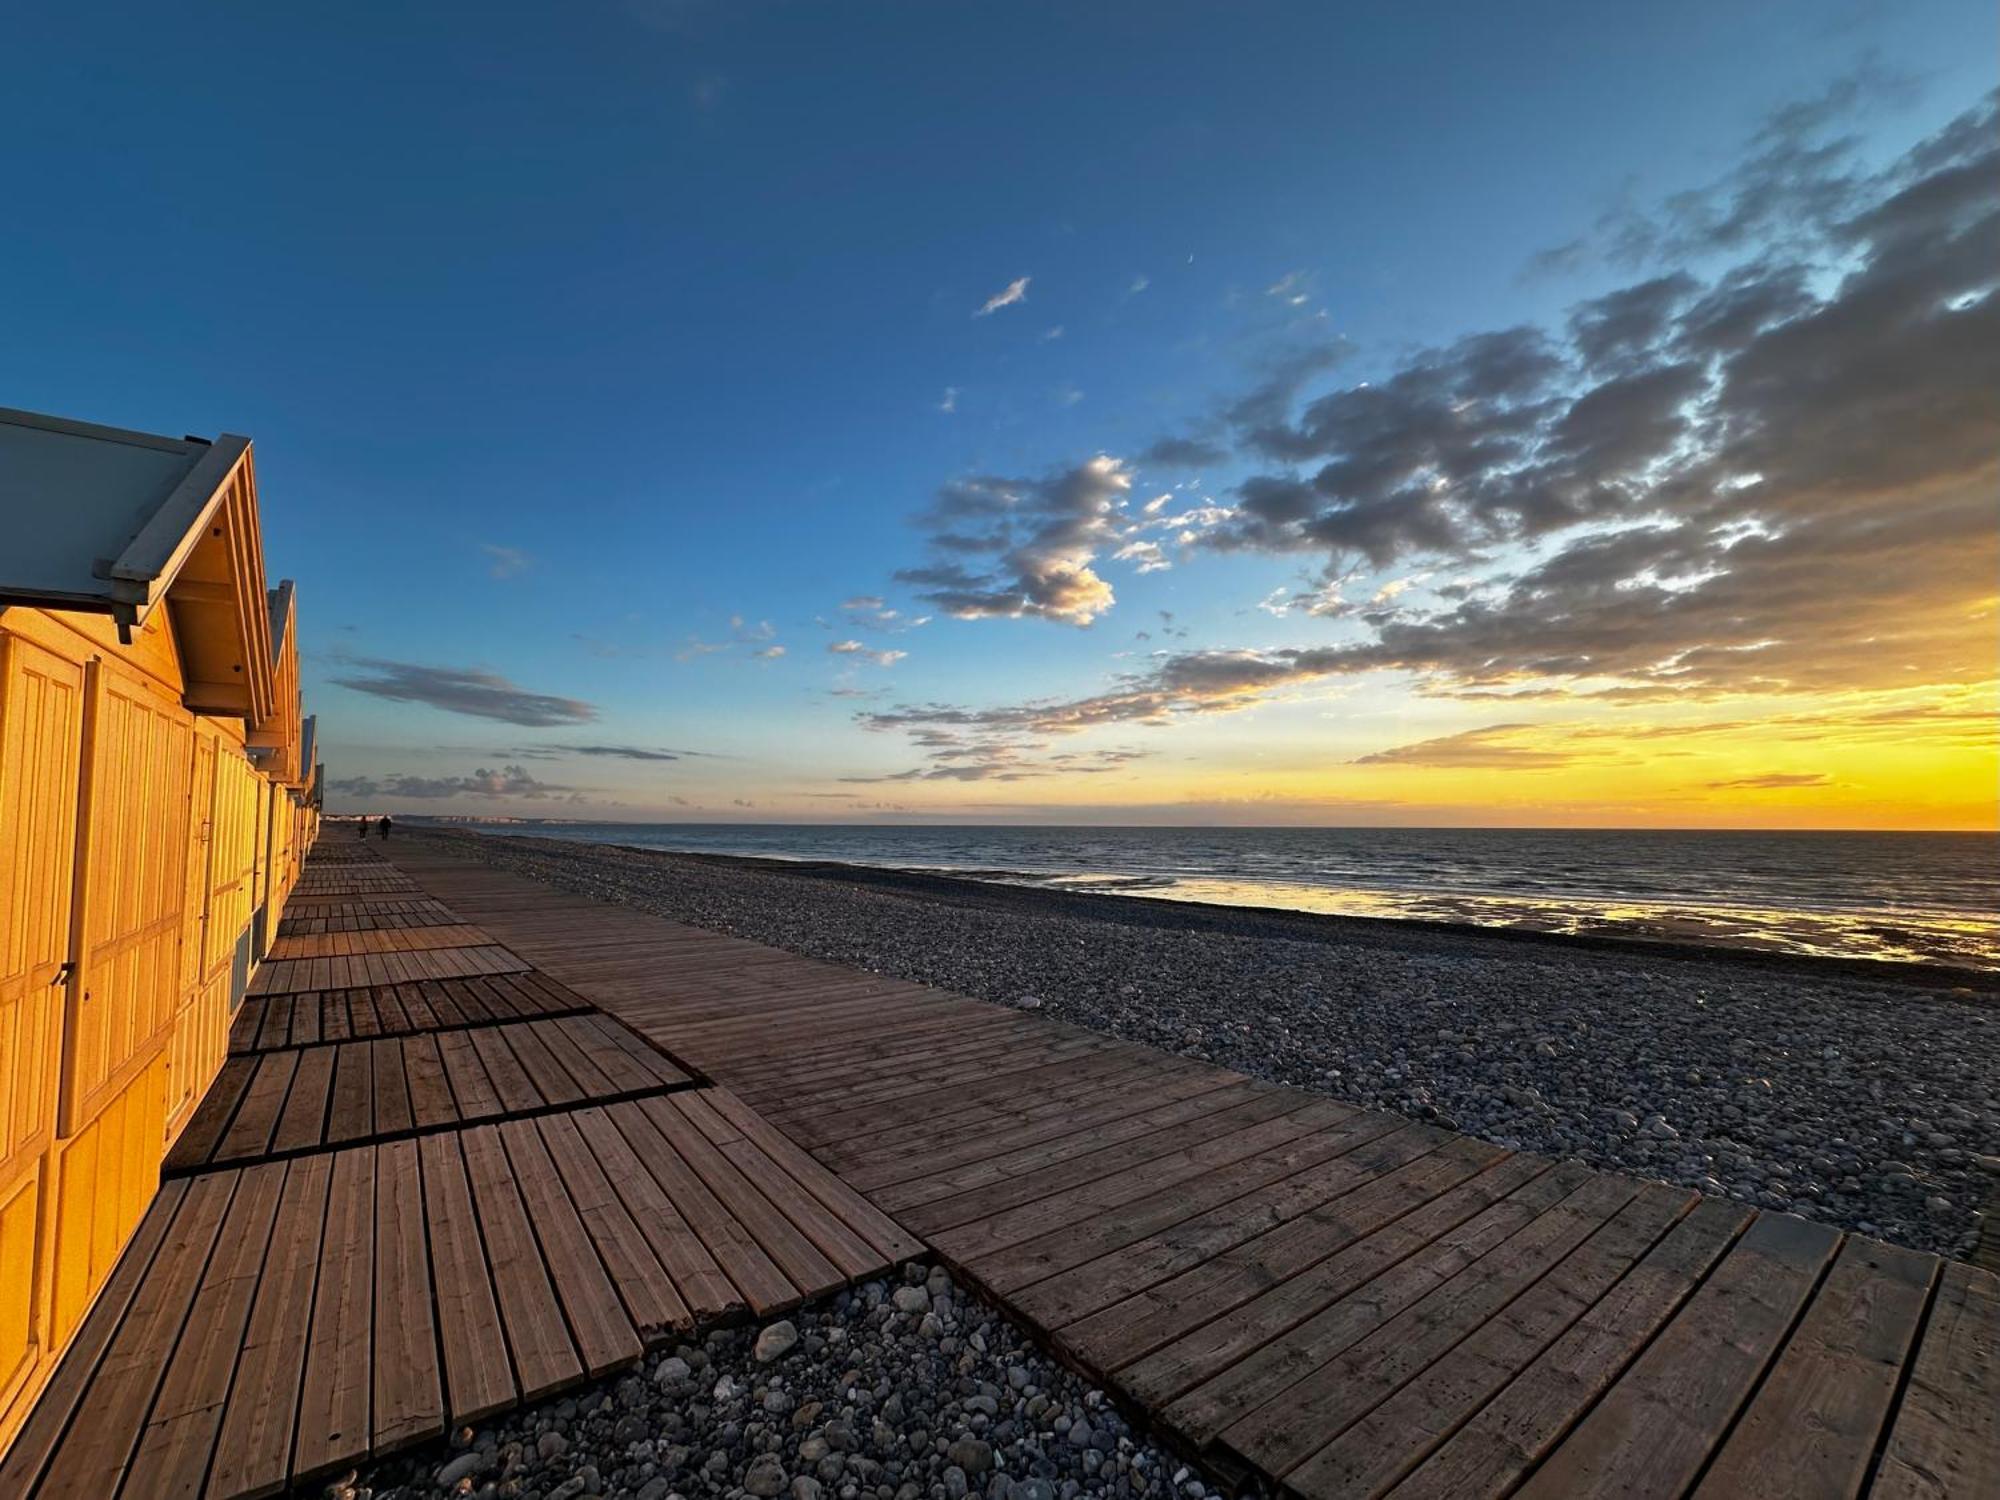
(1901,897)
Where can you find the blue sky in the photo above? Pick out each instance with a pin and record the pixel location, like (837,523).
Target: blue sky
(597,350)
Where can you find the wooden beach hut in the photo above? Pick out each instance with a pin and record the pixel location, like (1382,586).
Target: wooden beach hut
(155,800)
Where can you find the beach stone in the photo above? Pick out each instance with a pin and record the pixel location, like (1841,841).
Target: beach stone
(775,1342)
(971,1454)
(765,1478)
(911,1299)
(465,1466)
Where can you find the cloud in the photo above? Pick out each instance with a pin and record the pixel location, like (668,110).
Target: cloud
(872,612)
(1775,480)
(1797,179)
(1492,748)
(1148,556)
(1766,472)
(1261,412)
(1037,539)
(507,782)
(464,690)
(1016,291)
(864,653)
(744,633)
(506,562)
(1184,453)
(557,752)
(1772,780)
(1294,288)
(621,752)
(960,757)
(1137,285)
(950,401)
(1623,327)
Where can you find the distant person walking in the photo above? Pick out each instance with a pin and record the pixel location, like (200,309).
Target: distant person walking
(384,826)
(361,828)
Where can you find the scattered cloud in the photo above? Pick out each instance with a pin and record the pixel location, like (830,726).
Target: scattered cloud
(1294,288)
(1035,540)
(463,690)
(950,402)
(1016,291)
(1494,748)
(861,652)
(621,752)
(956,756)
(872,612)
(1797,182)
(1147,555)
(1137,285)
(1772,781)
(505,562)
(507,782)
(1184,453)
(753,636)
(1774,480)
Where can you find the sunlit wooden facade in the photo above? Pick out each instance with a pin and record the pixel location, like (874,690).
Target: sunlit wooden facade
(155,801)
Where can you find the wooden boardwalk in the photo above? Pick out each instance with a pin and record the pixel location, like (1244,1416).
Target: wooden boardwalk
(1320,1298)
(413,1201)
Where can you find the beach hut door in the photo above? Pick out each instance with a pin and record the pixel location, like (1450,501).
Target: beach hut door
(41,731)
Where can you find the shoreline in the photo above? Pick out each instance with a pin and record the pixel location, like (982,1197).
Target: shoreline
(1794,1085)
(1980,986)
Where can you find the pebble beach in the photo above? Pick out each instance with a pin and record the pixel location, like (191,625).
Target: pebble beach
(904,1390)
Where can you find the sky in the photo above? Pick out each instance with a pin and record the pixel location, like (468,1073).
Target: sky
(1537,415)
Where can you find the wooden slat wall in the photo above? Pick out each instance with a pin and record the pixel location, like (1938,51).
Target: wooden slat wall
(147,901)
(133,888)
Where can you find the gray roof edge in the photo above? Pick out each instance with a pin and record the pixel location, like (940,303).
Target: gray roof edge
(163,543)
(14,417)
(279,600)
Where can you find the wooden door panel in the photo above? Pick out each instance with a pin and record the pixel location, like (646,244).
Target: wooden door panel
(133,893)
(41,716)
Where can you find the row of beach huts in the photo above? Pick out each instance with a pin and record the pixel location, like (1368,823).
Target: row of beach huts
(158,789)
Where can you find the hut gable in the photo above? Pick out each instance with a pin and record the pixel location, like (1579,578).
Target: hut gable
(274,741)
(102,520)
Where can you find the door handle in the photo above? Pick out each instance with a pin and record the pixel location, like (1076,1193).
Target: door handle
(62,974)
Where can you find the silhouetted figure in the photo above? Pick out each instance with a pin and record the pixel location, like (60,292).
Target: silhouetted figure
(384,827)
(361,828)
